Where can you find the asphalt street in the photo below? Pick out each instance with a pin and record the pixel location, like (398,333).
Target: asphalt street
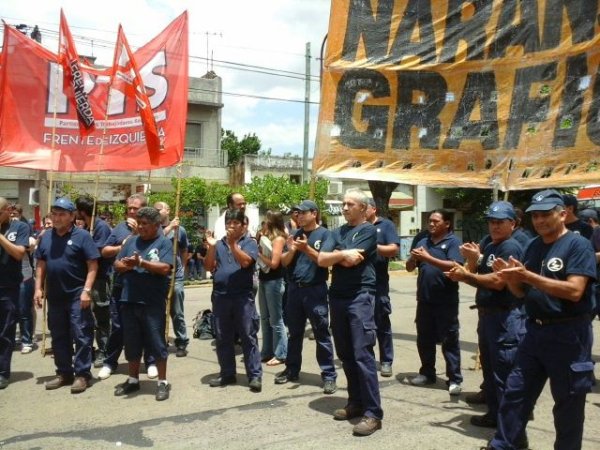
(294,415)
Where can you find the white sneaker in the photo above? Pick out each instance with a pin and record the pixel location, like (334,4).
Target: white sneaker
(420,380)
(104,373)
(152,372)
(27,348)
(454,389)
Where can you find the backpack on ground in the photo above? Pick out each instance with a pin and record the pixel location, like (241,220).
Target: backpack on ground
(203,325)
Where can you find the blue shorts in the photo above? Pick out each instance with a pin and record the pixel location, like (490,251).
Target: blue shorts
(143,328)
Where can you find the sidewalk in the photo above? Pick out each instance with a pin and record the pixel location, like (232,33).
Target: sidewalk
(282,416)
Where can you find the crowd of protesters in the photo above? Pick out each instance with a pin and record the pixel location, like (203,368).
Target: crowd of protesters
(535,300)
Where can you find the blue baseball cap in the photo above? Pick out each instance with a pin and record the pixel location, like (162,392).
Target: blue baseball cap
(501,210)
(545,201)
(64,203)
(308,205)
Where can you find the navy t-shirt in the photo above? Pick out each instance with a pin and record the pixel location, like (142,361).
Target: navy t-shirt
(117,236)
(100,235)
(522,237)
(386,234)
(17,233)
(580,227)
(348,282)
(182,245)
(491,297)
(571,254)
(66,262)
(304,270)
(229,277)
(139,285)
(432,285)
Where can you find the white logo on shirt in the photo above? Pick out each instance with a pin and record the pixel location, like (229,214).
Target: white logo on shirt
(12,237)
(555,264)
(490,260)
(69,242)
(443,246)
(354,237)
(153,255)
(318,245)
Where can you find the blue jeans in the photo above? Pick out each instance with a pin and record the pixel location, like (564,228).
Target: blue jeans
(101,310)
(25,310)
(181,339)
(274,335)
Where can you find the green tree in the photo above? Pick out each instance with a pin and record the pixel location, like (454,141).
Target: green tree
(236,148)
(270,192)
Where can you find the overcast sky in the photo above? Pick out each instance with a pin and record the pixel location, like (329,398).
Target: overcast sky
(268,34)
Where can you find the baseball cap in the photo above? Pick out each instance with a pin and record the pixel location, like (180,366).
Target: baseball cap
(570,200)
(545,201)
(501,210)
(307,205)
(64,203)
(587,214)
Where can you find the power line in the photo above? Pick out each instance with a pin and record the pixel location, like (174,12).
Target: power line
(260,97)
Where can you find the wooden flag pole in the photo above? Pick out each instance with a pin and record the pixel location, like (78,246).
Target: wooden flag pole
(49,200)
(175,251)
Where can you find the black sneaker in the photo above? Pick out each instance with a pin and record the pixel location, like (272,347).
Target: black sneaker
(255,384)
(284,377)
(162,392)
(477,398)
(126,388)
(222,381)
(3,382)
(484,421)
(329,387)
(181,352)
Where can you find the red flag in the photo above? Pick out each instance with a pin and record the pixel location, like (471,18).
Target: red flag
(73,77)
(126,78)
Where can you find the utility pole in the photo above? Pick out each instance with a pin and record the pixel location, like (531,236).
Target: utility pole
(306,116)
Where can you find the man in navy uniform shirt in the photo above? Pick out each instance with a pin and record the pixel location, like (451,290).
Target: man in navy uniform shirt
(232,260)
(388,244)
(113,245)
(101,290)
(437,300)
(555,280)
(351,250)
(307,297)
(145,262)
(67,261)
(572,221)
(14,242)
(501,323)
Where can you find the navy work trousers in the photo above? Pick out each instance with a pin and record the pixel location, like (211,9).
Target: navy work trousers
(354,334)
(383,309)
(9,301)
(310,303)
(438,323)
(236,314)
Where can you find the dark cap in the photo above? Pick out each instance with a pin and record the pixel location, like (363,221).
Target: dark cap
(587,214)
(307,205)
(64,203)
(570,200)
(545,201)
(501,210)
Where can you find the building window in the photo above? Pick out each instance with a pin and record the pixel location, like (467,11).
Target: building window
(193,135)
